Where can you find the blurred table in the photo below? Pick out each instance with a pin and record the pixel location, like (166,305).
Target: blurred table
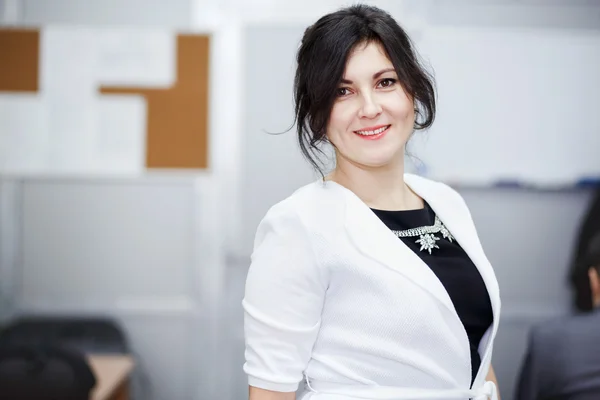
(112,376)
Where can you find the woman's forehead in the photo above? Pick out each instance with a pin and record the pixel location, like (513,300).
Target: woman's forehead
(367,58)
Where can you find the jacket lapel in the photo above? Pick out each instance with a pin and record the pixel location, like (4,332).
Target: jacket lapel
(375,240)
(454,214)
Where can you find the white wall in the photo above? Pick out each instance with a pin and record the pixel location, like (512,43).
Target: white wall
(145,251)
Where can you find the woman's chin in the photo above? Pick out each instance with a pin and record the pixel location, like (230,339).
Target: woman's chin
(378,162)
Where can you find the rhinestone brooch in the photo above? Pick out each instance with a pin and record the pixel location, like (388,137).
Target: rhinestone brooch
(427,235)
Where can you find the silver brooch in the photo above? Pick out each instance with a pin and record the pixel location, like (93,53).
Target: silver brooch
(426,234)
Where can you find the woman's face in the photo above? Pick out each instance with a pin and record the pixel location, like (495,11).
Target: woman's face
(372,117)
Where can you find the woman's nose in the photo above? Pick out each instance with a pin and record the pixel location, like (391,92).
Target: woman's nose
(370,108)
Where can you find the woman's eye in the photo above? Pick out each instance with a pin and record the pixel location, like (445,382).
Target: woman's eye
(342,92)
(387,82)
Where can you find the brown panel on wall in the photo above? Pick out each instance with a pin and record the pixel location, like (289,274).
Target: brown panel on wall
(19,60)
(177,135)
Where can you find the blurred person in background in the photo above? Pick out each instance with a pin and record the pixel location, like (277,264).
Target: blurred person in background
(368,283)
(563,355)
(578,276)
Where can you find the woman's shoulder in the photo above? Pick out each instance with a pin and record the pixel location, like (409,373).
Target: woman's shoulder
(434,188)
(313,204)
(428,184)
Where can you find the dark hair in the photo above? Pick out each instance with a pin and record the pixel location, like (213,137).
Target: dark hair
(586,254)
(321,61)
(580,277)
(592,257)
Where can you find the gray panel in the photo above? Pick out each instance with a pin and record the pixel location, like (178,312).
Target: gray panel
(272,166)
(236,382)
(166,358)
(510,347)
(9,227)
(567,14)
(528,236)
(172,13)
(104,242)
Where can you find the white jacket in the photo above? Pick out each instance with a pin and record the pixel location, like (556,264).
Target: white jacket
(335,298)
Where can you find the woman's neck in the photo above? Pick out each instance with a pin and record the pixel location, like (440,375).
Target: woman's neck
(381,188)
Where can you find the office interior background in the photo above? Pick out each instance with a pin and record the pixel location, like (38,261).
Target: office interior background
(98,218)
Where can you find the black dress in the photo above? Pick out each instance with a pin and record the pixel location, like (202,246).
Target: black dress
(456,272)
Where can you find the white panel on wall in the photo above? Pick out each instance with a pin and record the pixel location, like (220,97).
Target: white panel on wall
(119,134)
(138,57)
(69,127)
(513,105)
(24,133)
(135,57)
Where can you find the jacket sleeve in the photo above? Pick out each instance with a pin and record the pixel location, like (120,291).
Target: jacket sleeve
(533,381)
(284,295)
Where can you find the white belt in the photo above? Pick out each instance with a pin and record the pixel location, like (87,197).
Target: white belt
(486,392)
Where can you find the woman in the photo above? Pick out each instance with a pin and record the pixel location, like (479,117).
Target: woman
(369,283)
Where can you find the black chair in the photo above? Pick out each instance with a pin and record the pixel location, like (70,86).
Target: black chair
(85,334)
(44,357)
(44,372)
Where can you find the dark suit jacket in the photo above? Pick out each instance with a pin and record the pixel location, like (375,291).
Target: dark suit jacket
(563,360)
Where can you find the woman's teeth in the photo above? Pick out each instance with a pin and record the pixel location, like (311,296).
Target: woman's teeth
(375,132)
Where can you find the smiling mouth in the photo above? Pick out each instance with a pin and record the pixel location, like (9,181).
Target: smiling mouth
(373,133)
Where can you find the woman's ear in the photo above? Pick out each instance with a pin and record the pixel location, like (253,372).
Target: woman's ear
(594,285)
